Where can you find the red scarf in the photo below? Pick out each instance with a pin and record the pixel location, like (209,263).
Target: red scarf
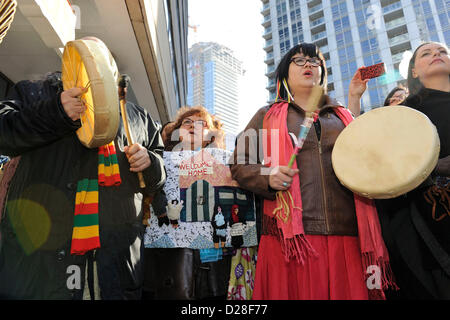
(288,205)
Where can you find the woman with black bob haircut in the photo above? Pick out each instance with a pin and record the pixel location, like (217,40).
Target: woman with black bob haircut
(416,226)
(315,242)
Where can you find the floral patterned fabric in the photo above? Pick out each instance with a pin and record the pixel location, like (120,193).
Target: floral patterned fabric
(242,275)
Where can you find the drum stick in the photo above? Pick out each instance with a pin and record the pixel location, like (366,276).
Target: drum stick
(311,110)
(123,84)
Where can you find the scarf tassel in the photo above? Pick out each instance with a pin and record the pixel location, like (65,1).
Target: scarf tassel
(386,275)
(298,247)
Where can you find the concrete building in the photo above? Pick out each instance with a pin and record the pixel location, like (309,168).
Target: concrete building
(148,39)
(353,33)
(213,82)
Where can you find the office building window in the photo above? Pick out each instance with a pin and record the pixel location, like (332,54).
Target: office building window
(296,15)
(360,3)
(284,34)
(282,21)
(284,47)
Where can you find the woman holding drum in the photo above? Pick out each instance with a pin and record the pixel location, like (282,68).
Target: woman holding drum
(315,240)
(416,226)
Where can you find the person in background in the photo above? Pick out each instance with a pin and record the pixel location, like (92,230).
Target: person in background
(358,87)
(416,226)
(194,128)
(316,248)
(396,96)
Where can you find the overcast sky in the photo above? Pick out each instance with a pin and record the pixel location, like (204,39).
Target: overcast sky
(235,24)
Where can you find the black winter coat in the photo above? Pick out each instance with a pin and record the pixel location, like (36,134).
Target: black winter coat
(36,230)
(419,247)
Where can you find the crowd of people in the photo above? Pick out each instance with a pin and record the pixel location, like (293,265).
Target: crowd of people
(316,238)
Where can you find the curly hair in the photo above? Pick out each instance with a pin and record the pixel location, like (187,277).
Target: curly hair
(215,136)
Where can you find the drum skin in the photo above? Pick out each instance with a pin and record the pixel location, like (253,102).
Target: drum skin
(386,152)
(89,63)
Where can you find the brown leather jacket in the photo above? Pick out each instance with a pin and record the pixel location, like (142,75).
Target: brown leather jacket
(328,207)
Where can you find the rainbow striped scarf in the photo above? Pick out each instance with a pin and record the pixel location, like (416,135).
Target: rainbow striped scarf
(85,236)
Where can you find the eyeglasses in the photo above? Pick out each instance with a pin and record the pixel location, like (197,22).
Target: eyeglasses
(300,61)
(401,97)
(189,123)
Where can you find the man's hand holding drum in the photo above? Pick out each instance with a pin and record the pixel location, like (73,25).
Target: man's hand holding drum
(72,104)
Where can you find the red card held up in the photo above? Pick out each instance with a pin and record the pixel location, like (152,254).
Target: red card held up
(372,71)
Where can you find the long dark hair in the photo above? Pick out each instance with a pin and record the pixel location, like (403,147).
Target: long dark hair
(414,84)
(282,72)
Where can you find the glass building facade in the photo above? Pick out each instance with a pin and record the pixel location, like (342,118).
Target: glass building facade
(213,81)
(353,33)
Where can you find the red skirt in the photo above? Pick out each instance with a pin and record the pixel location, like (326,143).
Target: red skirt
(336,274)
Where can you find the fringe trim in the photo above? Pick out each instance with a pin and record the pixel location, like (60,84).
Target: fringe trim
(297,248)
(386,275)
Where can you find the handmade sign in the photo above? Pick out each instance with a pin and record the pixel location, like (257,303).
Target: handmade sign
(201,181)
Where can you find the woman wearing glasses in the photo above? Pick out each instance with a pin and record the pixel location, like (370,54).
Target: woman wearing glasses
(177,273)
(321,247)
(396,96)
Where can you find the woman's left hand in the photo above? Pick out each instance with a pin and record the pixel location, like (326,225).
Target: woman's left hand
(357,86)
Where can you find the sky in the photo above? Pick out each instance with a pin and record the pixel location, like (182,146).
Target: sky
(235,24)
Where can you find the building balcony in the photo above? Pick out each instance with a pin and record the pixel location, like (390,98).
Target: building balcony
(270,71)
(392,7)
(395,23)
(271,84)
(398,40)
(269,58)
(312,3)
(267,33)
(315,9)
(317,22)
(319,36)
(265,9)
(266,21)
(324,49)
(268,45)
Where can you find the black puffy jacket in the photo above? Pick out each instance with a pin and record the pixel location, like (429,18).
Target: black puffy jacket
(36,230)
